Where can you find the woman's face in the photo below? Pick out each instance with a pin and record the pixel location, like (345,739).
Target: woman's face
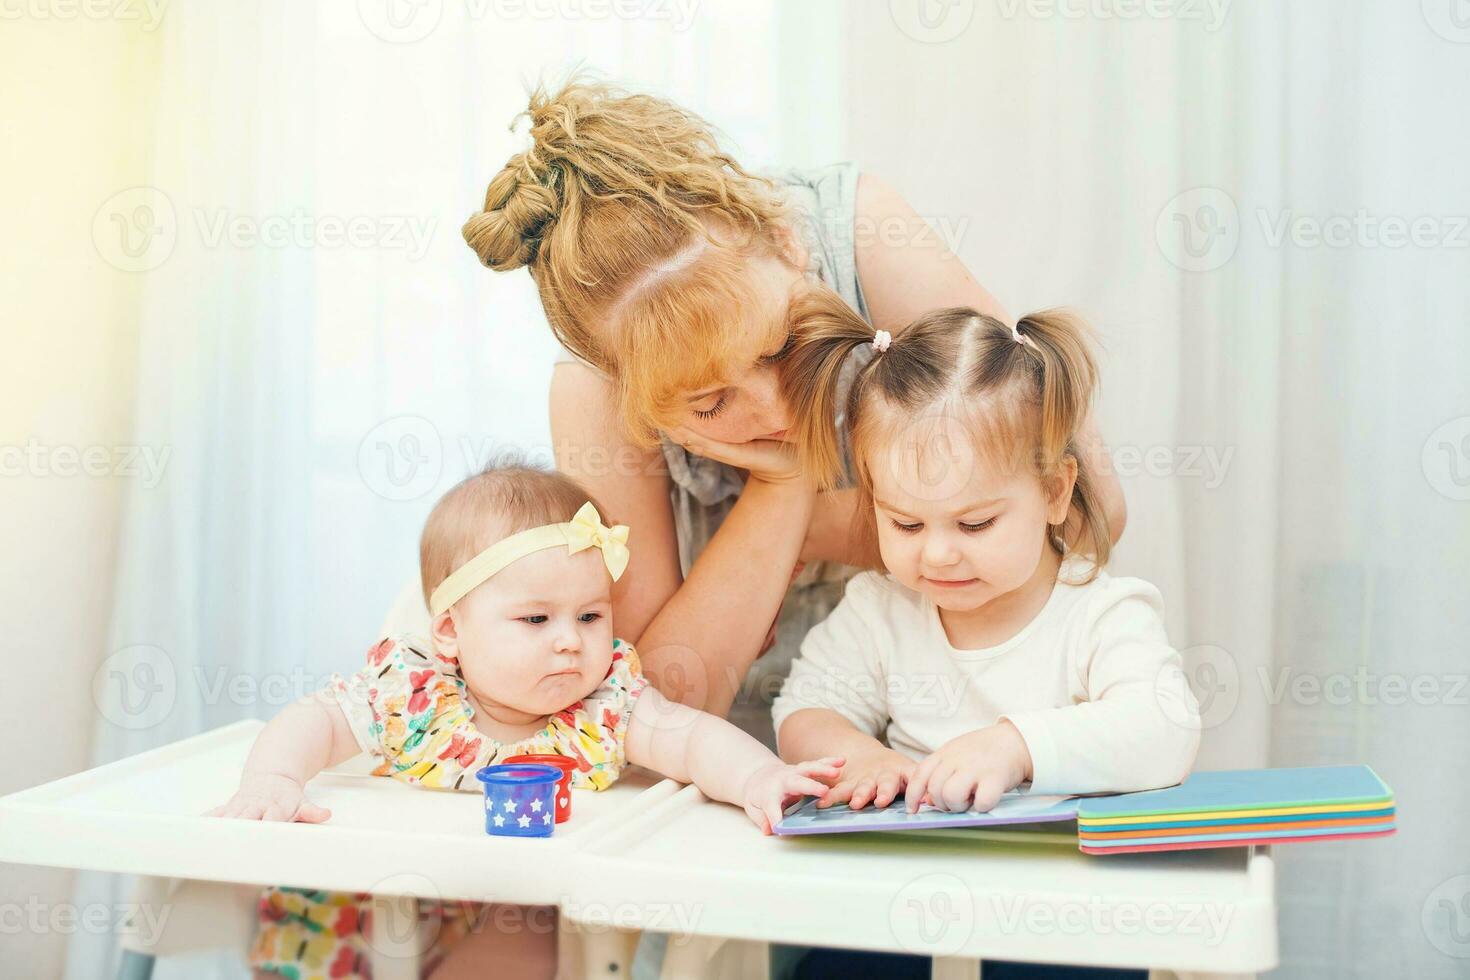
(750,405)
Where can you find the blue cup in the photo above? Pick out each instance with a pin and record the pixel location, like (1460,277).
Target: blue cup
(520,799)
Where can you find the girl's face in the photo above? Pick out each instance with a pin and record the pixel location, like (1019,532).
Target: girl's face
(537,636)
(951,524)
(750,406)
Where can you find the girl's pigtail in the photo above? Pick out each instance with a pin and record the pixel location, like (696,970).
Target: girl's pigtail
(824,330)
(1061,341)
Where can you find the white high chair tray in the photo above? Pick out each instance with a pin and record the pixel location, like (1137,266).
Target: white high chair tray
(142,815)
(707,872)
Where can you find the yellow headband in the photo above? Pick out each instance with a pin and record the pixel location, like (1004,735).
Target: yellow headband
(583,531)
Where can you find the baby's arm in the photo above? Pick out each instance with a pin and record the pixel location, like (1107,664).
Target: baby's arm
(725,763)
(300,742)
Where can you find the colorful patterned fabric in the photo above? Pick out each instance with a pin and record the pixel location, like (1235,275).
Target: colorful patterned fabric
(410,708)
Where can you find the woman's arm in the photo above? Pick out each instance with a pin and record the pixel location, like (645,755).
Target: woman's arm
(696,637)
(903,276)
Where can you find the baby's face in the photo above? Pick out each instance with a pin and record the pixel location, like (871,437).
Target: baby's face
(953,527)
(537,636)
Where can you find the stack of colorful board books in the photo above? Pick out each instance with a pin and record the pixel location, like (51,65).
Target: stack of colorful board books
(1239,807)
(1231,808)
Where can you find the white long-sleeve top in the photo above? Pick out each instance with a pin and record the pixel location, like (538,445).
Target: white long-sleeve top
(1091,683)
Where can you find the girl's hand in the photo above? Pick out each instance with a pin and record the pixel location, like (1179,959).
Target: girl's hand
(876,777)
(771,789)
(767,460)
(971,771)
(271,797)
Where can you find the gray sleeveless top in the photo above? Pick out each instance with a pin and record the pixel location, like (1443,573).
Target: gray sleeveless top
(704,490)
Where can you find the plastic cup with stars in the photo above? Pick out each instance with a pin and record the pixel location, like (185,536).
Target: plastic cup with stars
(564,788)
(520,799)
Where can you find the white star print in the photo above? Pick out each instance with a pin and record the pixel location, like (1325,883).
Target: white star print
(510,806)
(535,806)
(546,818)
(524,821)
(499,820)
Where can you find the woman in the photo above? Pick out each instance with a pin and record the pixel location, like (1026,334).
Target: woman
(666,271)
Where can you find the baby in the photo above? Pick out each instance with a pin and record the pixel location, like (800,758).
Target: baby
(991,654)
(517,570)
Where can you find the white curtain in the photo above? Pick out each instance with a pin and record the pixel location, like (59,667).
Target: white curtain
(321,354)
(1287,389)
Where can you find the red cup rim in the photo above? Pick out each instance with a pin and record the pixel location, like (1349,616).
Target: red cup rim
(565,763)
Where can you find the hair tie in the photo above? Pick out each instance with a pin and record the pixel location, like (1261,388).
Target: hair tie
(881,340)
(1022,339)
(583,531)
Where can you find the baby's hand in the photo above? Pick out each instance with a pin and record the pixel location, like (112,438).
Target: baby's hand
(874,777)
(772,788)
(971,771)
(271,797)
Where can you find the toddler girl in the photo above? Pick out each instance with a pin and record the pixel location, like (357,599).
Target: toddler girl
(989,655)
(517,572)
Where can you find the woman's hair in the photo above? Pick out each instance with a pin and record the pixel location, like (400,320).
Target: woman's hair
(1022,403)
(506,497)
(637,230)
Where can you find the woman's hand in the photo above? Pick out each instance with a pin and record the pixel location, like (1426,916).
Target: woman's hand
(768,460)
(971,771)
(271,797)
(772,788)
(876,776)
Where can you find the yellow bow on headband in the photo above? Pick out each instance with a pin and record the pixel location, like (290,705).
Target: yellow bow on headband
(585,530)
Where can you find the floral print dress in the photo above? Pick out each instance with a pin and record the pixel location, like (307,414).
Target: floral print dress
(409,707)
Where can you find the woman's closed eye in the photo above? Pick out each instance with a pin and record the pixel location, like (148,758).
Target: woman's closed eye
(780,355)
(714,410)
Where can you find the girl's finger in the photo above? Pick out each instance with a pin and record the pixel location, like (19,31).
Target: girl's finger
(887,789)
(862,794)
(913,794)
(935,786)
(918,781)
(840,793)
(958,791)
